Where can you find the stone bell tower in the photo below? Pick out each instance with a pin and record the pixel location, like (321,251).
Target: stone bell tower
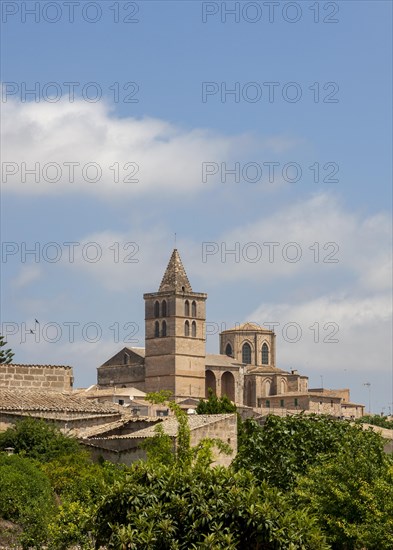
(175,335)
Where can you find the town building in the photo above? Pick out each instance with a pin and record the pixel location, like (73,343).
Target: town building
(174,358)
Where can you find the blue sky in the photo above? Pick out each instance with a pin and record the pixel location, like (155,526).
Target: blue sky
(172,135)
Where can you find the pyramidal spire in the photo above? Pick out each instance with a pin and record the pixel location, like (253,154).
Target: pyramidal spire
(175,276)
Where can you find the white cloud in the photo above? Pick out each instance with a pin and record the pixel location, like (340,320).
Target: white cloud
(348,332)
(166,158)
(342,243)
(27,275)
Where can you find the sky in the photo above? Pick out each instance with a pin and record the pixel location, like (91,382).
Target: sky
(259,133)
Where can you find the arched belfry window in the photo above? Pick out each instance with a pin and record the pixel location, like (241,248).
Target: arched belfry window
(186,328)
(193,329)
(228,350)
(186,308)
(265,354)
(246,353)
(163,309)
(163,331)
(156,329)
(156,309)
(193,309)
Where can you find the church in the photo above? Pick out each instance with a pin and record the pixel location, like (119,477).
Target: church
(174,358)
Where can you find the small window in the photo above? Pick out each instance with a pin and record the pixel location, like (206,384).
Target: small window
(163,309)
(281,402)
(265,354)
(228,350)
(156,329)
(246,353)
(193,309)
(186,308)
(186,328)
(193,329)
(296,402)
(125,358)
(121,401)
(268,403)
(163,332)
(156,309)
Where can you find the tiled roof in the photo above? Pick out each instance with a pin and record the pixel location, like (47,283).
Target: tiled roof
(137,351)
(175,276)
(170,425)
(97,431)
(216,360)
(37,366)
(95,391)
(48,401)
(304,394)
(252,327)
(265,369)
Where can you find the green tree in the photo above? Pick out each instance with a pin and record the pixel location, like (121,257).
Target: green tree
(162,507)
(26,498)
(376,420)
(38,439)
(215,405)
(285,447)
(7,354)
(352,494)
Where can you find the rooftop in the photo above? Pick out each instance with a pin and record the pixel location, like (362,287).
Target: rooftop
(170,425)
(175,276)
(35,366)
(48,401)
(250,327)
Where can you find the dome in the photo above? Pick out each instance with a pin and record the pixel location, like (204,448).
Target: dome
(250,327)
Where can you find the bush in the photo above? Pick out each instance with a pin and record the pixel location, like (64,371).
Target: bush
(39,440)
(26,498)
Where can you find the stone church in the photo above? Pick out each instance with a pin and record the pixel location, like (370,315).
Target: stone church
(175,358)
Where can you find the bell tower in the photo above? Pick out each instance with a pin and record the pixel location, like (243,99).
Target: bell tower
(175,335)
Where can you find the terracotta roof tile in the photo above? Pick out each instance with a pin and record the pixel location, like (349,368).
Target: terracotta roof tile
(49,401)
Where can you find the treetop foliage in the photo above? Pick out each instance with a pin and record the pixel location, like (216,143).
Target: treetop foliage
(38,439)
(298,483)
(7,354)
(284,447)
(215,405)
(376,420)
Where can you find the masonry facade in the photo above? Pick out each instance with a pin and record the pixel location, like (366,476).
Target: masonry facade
(48,377)
(245,370)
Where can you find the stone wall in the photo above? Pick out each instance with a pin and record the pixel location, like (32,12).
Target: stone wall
(48,377)
(121,375)
(63,421)
(226,430)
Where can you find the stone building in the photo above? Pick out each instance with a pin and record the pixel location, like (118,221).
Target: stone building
(122,443)
(48,377)
(175,359)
